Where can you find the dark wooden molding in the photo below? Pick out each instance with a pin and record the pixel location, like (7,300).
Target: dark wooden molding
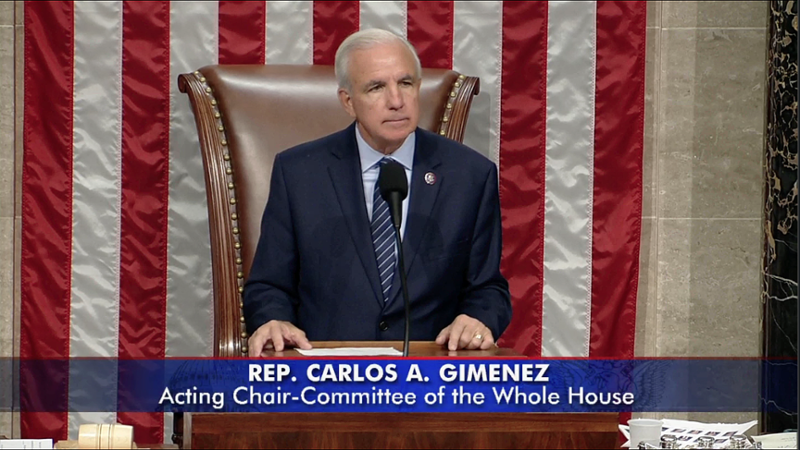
(454,120)
(401,430)
(229,328)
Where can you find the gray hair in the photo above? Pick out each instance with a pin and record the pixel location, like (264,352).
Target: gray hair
(364,39)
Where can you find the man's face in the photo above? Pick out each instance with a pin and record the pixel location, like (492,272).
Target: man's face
(384,95)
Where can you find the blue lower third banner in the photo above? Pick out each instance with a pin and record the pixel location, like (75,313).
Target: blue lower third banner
(403,385)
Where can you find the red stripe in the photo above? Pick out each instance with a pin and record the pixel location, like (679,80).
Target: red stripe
(617,214)
(242,37)
(333,22)
(430,31)
(522,168)
(145,165)
(45,271)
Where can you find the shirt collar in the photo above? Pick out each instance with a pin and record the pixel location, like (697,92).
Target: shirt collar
(370,157)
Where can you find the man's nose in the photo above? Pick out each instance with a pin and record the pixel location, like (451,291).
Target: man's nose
(394,98)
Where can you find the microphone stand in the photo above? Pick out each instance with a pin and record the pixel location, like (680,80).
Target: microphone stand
(404,287)
(394,189)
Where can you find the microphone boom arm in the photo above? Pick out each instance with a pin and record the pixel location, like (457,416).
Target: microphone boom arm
(403,284)
(394,189)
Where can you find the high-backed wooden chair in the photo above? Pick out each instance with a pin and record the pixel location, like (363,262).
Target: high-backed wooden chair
(245,115)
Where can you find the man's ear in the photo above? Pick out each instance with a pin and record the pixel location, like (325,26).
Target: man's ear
(347,102)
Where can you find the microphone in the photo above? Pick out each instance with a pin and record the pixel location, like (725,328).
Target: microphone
(394,189)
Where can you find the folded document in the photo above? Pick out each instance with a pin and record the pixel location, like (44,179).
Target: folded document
(351,351)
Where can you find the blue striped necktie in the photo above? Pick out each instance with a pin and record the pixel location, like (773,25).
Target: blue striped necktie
(383,238)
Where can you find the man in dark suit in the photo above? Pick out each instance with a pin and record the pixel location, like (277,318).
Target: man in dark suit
(325,266)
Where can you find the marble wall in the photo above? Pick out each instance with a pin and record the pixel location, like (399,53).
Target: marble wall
(704,139)
(779,293)
(699,292)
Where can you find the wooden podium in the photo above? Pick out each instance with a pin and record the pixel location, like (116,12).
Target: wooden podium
(398,430)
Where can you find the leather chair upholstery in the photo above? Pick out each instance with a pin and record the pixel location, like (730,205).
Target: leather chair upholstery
(245,115)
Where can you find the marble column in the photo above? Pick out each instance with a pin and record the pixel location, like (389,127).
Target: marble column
(780,263)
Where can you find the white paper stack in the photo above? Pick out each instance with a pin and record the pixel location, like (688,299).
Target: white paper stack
(351,351)
(26,443)
(687,431)
(777,440)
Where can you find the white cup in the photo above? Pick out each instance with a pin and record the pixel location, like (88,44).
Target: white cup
(645,430)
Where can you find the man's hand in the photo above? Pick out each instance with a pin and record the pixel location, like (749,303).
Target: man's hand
(274,335)
(466,333)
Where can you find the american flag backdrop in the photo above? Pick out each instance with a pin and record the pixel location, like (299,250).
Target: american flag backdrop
(115,246)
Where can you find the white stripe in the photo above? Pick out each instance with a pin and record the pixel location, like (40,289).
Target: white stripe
(386,15)
(385,250)
(384,271)
(194,42)
(381,265)
(290,32)
(96,159)
(381,226)
(381,212)
(190,314)
(385,240)
(566,308)
(477,51)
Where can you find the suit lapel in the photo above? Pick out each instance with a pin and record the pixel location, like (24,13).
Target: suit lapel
(345,173)
(423,198)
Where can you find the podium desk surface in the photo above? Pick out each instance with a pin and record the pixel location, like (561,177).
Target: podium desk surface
(73,444)
(416,348)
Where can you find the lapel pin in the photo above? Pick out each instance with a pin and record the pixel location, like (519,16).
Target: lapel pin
(430,178)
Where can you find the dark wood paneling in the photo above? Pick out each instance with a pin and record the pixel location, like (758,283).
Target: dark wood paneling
(400,430)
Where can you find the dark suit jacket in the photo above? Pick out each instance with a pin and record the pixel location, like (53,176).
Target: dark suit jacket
(315,265)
